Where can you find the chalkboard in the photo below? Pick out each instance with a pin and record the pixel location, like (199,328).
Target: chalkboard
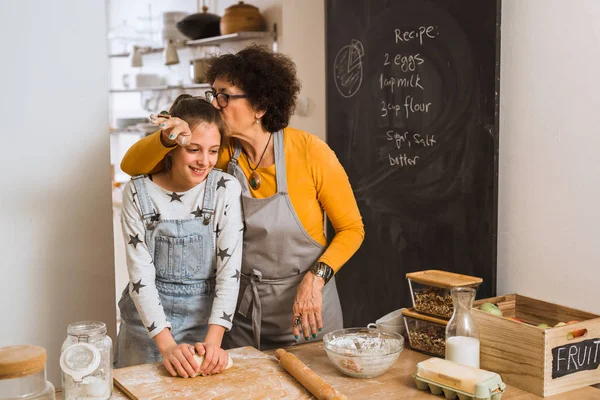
(576,357)
(412,114)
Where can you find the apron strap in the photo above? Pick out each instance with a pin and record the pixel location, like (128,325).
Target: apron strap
(139,181)
(251,297)
(234,159)
(280,168)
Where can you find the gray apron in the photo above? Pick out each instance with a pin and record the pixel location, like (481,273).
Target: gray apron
(184,258)
(277,253)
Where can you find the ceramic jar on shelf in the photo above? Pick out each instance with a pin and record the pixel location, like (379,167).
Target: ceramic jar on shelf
(242,17)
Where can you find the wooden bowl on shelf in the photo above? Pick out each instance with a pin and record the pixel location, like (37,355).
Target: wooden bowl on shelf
(242,17)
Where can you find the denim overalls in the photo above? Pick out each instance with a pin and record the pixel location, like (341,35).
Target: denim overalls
(185,263)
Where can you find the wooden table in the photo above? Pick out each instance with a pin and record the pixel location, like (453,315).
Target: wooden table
(396,383)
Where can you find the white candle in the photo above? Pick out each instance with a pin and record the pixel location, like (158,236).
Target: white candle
(463,350)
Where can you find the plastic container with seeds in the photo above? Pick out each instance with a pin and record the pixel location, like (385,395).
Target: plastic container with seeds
(458,381)
(426,334)
(430,290)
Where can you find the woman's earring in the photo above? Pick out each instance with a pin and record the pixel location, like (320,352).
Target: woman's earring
(257,120)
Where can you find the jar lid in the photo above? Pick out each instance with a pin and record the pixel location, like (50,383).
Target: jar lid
(18,361)
(80,360)
(411,313)
(241,6)
(85,329)
(443,279)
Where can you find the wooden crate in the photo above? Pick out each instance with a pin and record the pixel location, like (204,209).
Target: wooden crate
(543,362)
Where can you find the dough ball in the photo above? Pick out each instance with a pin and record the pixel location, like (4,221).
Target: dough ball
(200,359)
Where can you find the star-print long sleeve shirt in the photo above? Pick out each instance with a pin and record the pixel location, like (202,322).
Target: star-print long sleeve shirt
(228,225)
(317,183)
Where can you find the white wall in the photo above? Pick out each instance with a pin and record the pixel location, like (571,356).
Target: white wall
(55,197)
(549,200)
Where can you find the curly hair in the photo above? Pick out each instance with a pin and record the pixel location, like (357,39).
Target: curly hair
(268,78)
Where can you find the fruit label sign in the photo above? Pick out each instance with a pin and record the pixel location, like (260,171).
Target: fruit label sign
(575,357)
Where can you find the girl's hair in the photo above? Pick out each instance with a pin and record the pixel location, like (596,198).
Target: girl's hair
(268,79)
(194,110)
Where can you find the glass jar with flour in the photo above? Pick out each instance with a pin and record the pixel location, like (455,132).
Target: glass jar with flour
(462,333)
(86,361)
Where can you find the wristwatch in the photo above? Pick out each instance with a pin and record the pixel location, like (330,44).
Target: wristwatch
(322,270)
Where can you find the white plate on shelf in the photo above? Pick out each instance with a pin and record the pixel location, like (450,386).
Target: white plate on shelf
(146,127)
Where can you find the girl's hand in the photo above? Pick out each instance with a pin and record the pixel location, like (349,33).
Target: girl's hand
(174,131)
(179,359)
(308,306)
(215,358)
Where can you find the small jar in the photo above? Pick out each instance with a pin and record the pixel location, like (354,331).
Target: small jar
(86,361)
(23,374)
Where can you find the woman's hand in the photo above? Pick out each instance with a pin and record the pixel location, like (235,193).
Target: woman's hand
(215,358)
(308,304)
(174,131)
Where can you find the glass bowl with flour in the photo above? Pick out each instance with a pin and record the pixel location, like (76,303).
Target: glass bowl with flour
(363,352)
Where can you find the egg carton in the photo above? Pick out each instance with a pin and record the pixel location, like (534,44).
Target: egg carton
(449,393)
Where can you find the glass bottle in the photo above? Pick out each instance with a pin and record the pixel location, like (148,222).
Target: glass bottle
(86,361)
(23,374)
(462,333)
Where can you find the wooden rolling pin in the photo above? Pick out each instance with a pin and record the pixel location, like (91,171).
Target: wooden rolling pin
(307,378)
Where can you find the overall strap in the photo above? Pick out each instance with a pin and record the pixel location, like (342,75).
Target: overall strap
(208,203)
(139,181)
(280,169)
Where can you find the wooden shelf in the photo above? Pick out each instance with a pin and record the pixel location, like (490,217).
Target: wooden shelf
(132,131)
(233,37)
(159,88)
(211,41)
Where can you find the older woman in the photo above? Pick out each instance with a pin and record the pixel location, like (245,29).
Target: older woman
(289,178)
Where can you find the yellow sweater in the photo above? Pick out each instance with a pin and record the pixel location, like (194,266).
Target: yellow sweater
(316,181)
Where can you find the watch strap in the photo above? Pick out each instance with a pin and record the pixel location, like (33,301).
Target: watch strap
(322,270)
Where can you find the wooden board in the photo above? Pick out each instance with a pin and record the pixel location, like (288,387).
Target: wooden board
(254,375)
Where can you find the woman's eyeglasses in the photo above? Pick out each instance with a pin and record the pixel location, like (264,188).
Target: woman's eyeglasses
(222,98)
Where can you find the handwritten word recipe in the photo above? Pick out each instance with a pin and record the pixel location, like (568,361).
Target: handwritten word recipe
(407,80)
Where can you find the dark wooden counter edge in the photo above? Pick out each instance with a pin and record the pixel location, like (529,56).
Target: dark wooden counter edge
(511,393)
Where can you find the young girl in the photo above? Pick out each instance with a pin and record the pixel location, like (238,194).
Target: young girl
(183,232)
